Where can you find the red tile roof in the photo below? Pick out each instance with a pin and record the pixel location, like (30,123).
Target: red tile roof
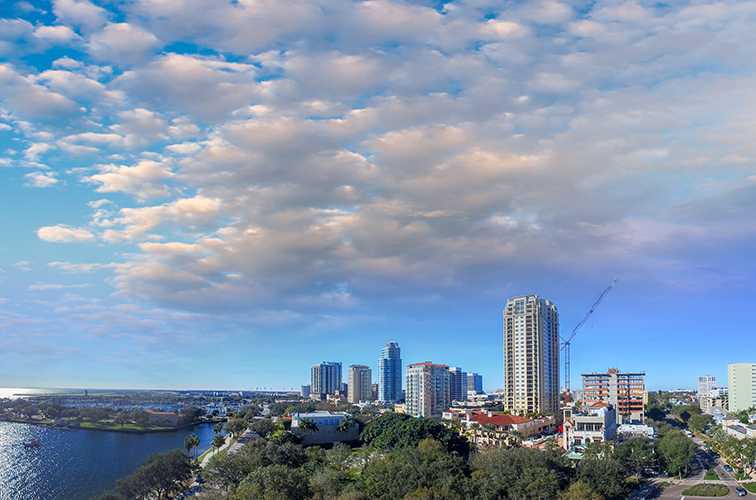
(498,419)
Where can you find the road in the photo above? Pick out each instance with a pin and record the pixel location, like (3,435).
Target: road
(703,461)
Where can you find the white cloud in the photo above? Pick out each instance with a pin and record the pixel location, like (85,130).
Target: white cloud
(29,99)
(143,180)
(59,35)
(64,234)
(41,179)
(23,265)
(81,13)
(45,287)
(122,44)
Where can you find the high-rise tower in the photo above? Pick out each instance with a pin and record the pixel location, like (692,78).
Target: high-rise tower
(390,373)
(325,378)
(531,355)
(360,386)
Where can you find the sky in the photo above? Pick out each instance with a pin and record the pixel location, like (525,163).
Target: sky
(211,194)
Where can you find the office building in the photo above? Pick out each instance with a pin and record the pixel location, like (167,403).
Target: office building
(305,392)
(428,391)
(375,392)
(390,373)
(531,355)
(474,383)
(741,382)
(624,391)
(325,379)
(457,384)
(360,384)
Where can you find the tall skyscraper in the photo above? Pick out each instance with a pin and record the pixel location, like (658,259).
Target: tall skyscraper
(427,389)
(457,384)
(390,373)
(706,384)
(531,355)
(625,391)
(475,383)
(741,382)
(360,386)
(325,378)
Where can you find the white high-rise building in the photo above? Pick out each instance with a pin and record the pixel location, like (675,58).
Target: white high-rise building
(741,381)
(706,384)
(428,390)
(360,386)
(531,355)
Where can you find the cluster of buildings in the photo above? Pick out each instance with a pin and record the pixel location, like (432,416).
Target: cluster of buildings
(725,404)
(430,388)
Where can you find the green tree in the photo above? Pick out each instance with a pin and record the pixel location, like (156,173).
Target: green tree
(218,441)
(579,490)
(676,452)
(121,418)
(393,430)
(307,425)
(698,423)
(161,477)
(406,470)
(263,426)
(636,454)
(273,482)
(191,442)
(236,426)
(605,476)
(520,473)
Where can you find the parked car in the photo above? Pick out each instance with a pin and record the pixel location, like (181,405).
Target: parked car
(741,491)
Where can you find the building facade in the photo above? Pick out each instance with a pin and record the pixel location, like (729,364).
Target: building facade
(325,379)
(390,373)
(475,383)
(531,355)
(741,382)
(624,391)
(457,384)
(706,384)
(594,424)
(360,386)
(428,390)
(324,427)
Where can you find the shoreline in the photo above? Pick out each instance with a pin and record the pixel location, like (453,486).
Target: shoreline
(153,430)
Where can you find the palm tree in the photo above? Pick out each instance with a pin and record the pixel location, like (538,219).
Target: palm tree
(307,425)
(346,423)
(191,442)
(218,441)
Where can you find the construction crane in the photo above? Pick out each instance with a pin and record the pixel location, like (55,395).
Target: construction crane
(567,343)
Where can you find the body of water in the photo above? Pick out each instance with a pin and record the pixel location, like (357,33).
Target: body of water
(77,464)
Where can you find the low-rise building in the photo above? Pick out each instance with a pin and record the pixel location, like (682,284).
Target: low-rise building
(596,423)
(324,427)
(163,418)
(627,431)
(488,429)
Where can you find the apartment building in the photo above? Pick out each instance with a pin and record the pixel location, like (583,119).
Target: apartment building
(360,387)
(741,382)
(531,355)
(428,389)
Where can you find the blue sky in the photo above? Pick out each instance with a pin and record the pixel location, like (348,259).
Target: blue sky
(206,194)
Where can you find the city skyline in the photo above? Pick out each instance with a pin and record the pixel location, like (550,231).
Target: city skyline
(220,197)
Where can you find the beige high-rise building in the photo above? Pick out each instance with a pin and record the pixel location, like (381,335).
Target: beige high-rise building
(360,386)
(428,389)
(531,355)
(741,382)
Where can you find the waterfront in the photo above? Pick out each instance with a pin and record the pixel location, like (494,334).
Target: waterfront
(77,464)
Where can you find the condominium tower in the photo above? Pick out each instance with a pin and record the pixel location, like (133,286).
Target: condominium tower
(625,391)
(741,381)
(457,384)
(531,355)
(390,373)
(325,378)
(360,386)
(428,392)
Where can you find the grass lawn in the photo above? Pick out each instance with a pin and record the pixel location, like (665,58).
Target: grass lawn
(711,475)
(750,487)
(707,490)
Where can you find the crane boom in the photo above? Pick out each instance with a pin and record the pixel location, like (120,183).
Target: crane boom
(566,344)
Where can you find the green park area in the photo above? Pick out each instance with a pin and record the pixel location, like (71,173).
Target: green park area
(707,490)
